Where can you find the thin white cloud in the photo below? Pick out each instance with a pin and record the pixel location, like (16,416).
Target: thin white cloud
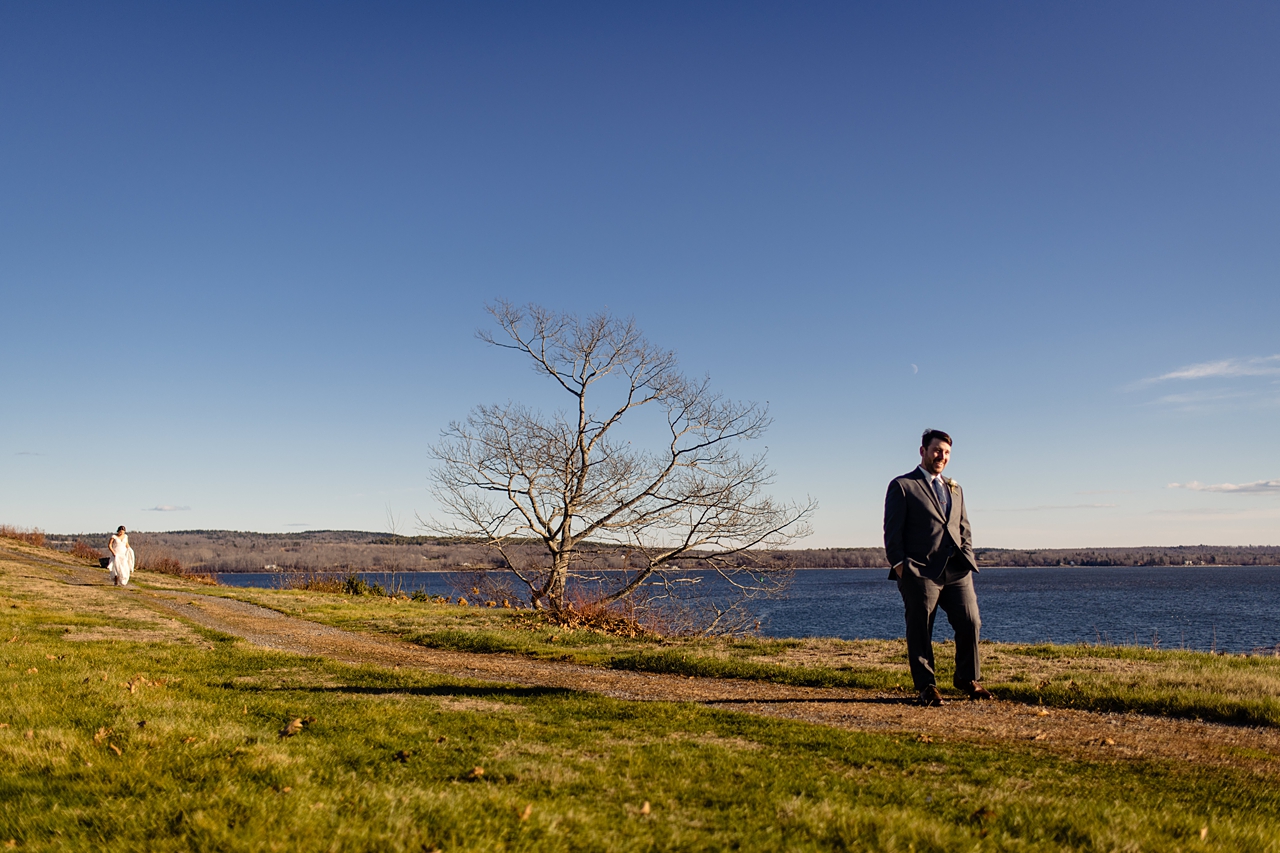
(1258,487)
(27,453)
(167,508)
(299,524)
(1211,513)
(1106,492)
(1203,512)
(1047,507)
(1200,398)
(1223,368)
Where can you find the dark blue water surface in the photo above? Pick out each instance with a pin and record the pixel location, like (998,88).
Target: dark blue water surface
(1194,607)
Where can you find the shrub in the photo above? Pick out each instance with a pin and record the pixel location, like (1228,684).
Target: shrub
(157,561)
(310,580)
(33,536)
(163,562)
(85,551)
(356,585)
(619,619)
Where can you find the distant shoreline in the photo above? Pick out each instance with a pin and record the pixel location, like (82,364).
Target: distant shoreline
(464,569)
(233,552)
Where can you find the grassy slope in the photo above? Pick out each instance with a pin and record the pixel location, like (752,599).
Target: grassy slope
(210,771)
(1224,688)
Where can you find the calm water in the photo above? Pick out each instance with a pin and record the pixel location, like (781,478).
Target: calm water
(1228,609)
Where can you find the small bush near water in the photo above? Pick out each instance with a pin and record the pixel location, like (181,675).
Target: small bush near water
(315,581)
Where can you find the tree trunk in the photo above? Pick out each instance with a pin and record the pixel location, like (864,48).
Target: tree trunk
(559,580)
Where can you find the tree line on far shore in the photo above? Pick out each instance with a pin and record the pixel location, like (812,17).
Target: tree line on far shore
(217,551)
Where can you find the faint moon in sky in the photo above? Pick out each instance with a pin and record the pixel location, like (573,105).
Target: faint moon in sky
(915,369)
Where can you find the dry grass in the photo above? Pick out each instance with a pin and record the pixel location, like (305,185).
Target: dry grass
(615,620)
(311,580)
(149,558)
(32,536)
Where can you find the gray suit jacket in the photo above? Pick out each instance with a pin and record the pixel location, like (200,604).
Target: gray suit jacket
(918,534)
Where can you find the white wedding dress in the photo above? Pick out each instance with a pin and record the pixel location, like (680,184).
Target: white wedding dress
(121,565)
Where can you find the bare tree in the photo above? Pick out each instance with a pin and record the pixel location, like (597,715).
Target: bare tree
(583,483)
(394,523)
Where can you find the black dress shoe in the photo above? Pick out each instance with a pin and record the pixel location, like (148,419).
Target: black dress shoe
(931,696)
(977,691)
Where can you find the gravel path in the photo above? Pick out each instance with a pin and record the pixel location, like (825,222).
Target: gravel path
(1120,737)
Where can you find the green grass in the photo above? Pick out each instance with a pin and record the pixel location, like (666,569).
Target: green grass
(210,771)
(1223,688)
(386,760)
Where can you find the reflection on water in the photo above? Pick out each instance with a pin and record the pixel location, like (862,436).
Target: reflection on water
(1194,607)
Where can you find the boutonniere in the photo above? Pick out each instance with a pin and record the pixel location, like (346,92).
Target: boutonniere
(954,486)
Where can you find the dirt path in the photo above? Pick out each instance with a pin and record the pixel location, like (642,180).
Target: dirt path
(1078,733)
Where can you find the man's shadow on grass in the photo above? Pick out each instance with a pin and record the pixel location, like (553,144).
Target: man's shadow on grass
(518,692)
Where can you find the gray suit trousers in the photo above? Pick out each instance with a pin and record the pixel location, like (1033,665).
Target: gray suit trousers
(953,592)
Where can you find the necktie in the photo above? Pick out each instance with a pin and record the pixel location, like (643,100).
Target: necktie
(941,491)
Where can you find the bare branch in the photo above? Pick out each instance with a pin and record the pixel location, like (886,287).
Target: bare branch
(572,482)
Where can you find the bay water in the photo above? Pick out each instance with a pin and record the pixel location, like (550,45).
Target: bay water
(1204,608)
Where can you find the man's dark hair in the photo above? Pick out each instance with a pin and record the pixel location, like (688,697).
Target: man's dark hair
(930,435)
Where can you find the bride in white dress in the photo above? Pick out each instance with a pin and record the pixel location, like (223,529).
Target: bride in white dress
(121,564)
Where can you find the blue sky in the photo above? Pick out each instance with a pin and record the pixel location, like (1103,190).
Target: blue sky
(245,248)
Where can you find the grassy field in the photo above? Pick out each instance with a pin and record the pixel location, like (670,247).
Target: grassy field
(1226,688)
(124,731)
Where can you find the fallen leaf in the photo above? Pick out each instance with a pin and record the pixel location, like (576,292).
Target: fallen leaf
(142,724)
(1204,833)
(286,790)
(12,842)
(189,740)
(528,810)
(476,773)
(29,734)
(441,739)
(1108,741)
(292,727)
(50,657)
(1040,736)
(645,809)
(923,739)
(401,756)
(113,748)
(982,815)
(101,734)
(32,671)
(4,725)
(1042,713)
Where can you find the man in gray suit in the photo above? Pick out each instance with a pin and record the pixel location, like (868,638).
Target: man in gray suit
(929,545)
